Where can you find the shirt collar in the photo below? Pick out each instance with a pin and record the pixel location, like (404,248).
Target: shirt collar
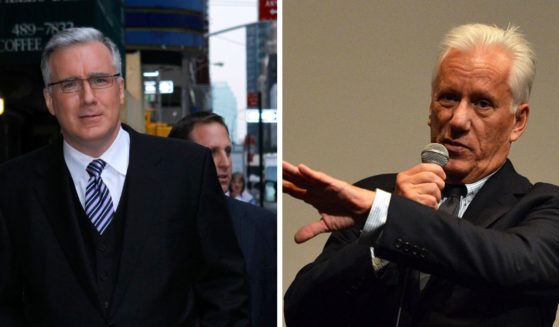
(116,156)
(473,188)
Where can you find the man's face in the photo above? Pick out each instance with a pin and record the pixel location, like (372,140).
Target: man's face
(89,118)
(470,113)
(215,137)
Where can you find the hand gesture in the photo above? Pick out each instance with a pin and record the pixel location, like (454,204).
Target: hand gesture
(340,204)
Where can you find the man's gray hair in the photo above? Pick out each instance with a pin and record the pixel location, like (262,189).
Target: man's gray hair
(523,69)
(75,36)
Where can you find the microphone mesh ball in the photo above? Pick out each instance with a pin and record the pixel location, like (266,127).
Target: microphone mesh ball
(434,153)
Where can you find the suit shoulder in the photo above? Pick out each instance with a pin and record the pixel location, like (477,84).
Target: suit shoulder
(170,144)
(250,210)
(24,161)
(382,181)
(548,189)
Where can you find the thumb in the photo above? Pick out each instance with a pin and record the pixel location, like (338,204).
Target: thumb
(311,230)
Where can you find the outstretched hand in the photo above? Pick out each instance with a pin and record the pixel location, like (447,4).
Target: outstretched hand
(340,204)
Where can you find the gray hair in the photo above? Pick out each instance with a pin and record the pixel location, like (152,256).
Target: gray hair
(74,36)
(469,36)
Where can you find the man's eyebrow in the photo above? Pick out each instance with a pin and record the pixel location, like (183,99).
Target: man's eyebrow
(70,78)
(98,74)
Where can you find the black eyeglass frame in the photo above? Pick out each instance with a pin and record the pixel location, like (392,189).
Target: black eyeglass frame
(82,80)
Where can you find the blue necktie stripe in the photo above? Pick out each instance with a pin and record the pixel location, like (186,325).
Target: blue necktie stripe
(98,203)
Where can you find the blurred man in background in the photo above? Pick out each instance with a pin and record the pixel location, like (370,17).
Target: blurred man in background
(255,227)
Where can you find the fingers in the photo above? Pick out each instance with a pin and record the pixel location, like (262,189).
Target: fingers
(427,200)
(311,230)
(409,188)
(290,172)
(427,167)
(434,168)
(294,191)
(316,177)
(294,175)
(422,183)
(289,169)
(339,203)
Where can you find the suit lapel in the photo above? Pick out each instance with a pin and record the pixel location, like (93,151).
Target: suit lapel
(53,188)
(142,195)
(497,196)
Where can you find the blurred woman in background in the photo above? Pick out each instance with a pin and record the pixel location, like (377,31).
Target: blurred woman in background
(237,189)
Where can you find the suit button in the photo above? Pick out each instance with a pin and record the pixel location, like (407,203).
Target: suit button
(104,276)
(102,247)
(106,306)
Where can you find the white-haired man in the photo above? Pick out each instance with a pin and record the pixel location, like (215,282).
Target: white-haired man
(422,255)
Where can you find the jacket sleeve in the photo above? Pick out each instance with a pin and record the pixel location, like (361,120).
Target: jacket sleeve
(518,251)
(11,304)
(341,287)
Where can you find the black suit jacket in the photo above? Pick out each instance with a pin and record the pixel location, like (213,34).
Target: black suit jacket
(255,229)
(497,266)
(180,261)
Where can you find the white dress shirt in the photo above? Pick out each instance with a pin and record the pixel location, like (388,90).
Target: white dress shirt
(114,174)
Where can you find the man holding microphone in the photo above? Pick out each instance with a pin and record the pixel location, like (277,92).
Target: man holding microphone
(486,257)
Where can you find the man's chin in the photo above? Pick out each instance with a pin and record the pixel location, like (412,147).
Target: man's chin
(457,170)
(224,186)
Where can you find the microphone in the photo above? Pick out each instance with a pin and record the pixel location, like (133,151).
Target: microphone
(437,154)
(434,153)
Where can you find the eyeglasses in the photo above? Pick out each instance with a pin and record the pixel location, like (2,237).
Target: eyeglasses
(72,85)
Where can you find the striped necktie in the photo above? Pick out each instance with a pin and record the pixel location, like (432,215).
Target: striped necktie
(98,203)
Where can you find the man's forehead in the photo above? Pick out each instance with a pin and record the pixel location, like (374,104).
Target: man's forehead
(210,134)
(90,45)
(93,54)
(494,57)
(487,66)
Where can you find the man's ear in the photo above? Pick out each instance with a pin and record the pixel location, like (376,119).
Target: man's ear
(121,90)
(48,100)
(520,121)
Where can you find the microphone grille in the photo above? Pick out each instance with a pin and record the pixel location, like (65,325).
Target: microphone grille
(434,153)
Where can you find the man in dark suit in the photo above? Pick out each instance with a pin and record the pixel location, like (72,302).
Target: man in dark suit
(487,256)
(108,227)
(255,227)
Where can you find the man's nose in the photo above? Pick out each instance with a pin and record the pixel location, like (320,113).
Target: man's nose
(88,95)
(223,160)
(461,116)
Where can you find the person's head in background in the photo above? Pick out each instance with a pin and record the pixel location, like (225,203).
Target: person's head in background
(237,186)
(208,129)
